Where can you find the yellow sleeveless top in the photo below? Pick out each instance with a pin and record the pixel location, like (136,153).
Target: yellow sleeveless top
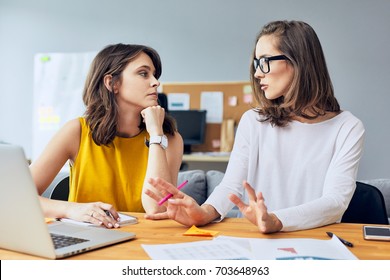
(112,174)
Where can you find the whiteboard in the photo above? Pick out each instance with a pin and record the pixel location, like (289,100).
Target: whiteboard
(58,85)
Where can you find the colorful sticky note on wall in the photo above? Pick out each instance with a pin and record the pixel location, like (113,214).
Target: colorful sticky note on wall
(247,98)
(247,89)
(216,143)
(45,58)
(247,94)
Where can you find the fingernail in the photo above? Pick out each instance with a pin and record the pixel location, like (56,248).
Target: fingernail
(116,225)
(109,225)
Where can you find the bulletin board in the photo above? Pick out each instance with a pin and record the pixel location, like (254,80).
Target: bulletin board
(240,92)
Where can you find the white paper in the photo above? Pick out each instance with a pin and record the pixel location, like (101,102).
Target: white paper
(294,248)
(198,250)
(212,102)
(124,220)
(178,101)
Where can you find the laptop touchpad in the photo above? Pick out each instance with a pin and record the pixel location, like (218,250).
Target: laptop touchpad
(65,228)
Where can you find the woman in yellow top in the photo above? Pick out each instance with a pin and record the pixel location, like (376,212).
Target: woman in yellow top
(121,140)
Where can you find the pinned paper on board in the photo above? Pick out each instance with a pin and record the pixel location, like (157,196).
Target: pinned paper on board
(212,102)
(232,101)
(178,101)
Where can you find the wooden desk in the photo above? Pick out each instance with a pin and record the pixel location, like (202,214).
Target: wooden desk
(168,231)
(199,157)
(206,161)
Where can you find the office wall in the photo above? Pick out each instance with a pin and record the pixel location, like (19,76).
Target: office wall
(202,40)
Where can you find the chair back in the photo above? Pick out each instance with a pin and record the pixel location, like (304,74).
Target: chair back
(59,188)
(61,191)
(367,206)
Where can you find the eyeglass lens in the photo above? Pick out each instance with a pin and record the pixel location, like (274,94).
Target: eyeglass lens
(263,63)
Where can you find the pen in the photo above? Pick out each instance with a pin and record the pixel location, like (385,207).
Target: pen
(345,242)
(170,195)
(108,213)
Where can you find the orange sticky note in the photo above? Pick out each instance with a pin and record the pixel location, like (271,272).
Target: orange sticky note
(49,220)
(194,231)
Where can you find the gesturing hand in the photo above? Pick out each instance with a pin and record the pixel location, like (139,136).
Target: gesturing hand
(181,207)
(256,211)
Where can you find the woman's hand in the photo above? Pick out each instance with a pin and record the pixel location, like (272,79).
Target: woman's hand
(181,207)
(256,211)
(97,213)
(154,119)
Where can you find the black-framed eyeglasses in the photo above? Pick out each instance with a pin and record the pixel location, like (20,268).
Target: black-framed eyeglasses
(263,62)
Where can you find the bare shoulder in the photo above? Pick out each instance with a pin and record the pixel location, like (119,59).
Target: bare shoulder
(62,147)
(73,125)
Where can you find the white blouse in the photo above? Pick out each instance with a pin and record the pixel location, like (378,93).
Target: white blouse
(307,172)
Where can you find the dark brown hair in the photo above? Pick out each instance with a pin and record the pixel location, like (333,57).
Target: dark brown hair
(101,107)
(311,91)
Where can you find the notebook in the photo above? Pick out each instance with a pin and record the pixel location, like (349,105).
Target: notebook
(24,228)
(125,219)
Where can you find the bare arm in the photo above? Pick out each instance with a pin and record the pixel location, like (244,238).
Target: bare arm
(161,163)
(181,207)
(62,147)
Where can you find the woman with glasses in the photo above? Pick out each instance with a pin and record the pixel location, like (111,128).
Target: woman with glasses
(295,156)
(121,140)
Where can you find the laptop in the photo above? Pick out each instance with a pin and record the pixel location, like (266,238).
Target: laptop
(24,228)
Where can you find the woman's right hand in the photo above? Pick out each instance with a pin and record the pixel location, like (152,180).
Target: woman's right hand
(154,119)
(181,207)
(97,213)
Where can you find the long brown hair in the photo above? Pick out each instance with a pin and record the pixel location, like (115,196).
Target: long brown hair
(101,111)
(311,91)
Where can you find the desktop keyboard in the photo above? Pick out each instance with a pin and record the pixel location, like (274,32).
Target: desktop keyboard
(61,241)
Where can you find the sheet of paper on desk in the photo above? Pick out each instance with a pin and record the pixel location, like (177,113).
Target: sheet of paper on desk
(293,248)
(198,250)
(125,220)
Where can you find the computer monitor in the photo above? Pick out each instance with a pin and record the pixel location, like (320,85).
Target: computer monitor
(191,125)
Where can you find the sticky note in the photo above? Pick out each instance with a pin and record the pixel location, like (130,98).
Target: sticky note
(45,58)
(247,98)
(49,220)
(194,231)
(247,89)
(232,101)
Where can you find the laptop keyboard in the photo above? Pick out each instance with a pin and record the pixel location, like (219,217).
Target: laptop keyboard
(61,241)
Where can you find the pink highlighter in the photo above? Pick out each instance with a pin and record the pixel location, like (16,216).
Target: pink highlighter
(170,195)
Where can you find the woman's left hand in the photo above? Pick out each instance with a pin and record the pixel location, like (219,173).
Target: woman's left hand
(256,211)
